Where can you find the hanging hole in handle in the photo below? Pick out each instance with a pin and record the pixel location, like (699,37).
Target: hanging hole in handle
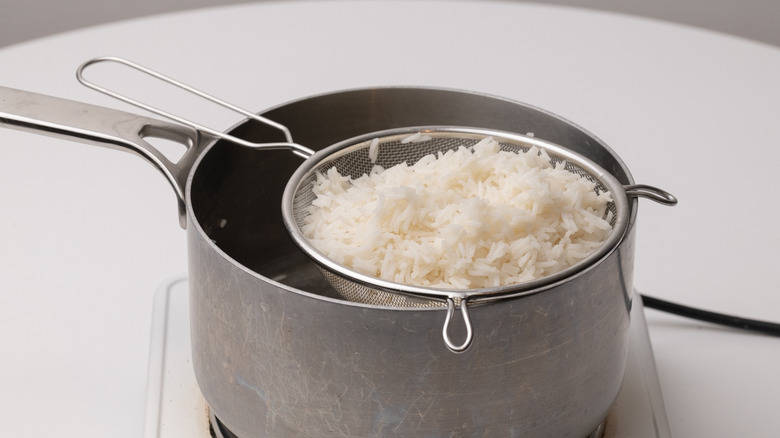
(170,143)
(466,322)
(170,149)
(652,193)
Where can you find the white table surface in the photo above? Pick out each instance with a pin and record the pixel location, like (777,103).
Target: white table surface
(89,233)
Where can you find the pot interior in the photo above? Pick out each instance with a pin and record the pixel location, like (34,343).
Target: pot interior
(235,193)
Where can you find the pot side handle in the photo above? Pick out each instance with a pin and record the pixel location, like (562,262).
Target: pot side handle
(62,118)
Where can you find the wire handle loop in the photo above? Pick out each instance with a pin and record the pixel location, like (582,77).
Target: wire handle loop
(289,144)
(467,322)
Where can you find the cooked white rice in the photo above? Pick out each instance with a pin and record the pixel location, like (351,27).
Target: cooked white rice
(468,218)
(373,150)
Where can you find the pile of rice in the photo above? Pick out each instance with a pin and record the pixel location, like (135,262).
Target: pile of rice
(468,218)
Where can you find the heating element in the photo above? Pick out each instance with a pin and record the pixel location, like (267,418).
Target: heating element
(176,408)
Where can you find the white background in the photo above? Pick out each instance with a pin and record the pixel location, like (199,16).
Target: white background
(25,19)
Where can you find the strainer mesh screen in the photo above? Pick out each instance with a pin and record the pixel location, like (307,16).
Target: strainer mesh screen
(354,161)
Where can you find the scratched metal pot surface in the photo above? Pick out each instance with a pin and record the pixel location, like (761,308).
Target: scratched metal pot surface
(276,353)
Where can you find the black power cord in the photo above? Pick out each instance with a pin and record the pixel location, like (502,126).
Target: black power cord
(765,327)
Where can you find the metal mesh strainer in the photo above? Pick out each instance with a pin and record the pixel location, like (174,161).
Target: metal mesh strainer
(351,157)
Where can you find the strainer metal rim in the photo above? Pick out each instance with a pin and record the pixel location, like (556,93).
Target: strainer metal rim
(441,294)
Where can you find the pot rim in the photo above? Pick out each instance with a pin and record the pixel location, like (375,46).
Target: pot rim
(525,289)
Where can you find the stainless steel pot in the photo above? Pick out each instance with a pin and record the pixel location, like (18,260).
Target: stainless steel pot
(277,353)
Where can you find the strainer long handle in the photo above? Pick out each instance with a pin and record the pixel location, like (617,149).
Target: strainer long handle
(289,144)
(466,321)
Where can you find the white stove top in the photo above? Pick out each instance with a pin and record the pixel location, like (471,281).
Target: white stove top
(175,407)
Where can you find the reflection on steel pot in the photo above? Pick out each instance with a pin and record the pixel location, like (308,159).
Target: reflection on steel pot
(277,353)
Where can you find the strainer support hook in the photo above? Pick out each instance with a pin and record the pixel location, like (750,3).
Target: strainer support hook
(652,193)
